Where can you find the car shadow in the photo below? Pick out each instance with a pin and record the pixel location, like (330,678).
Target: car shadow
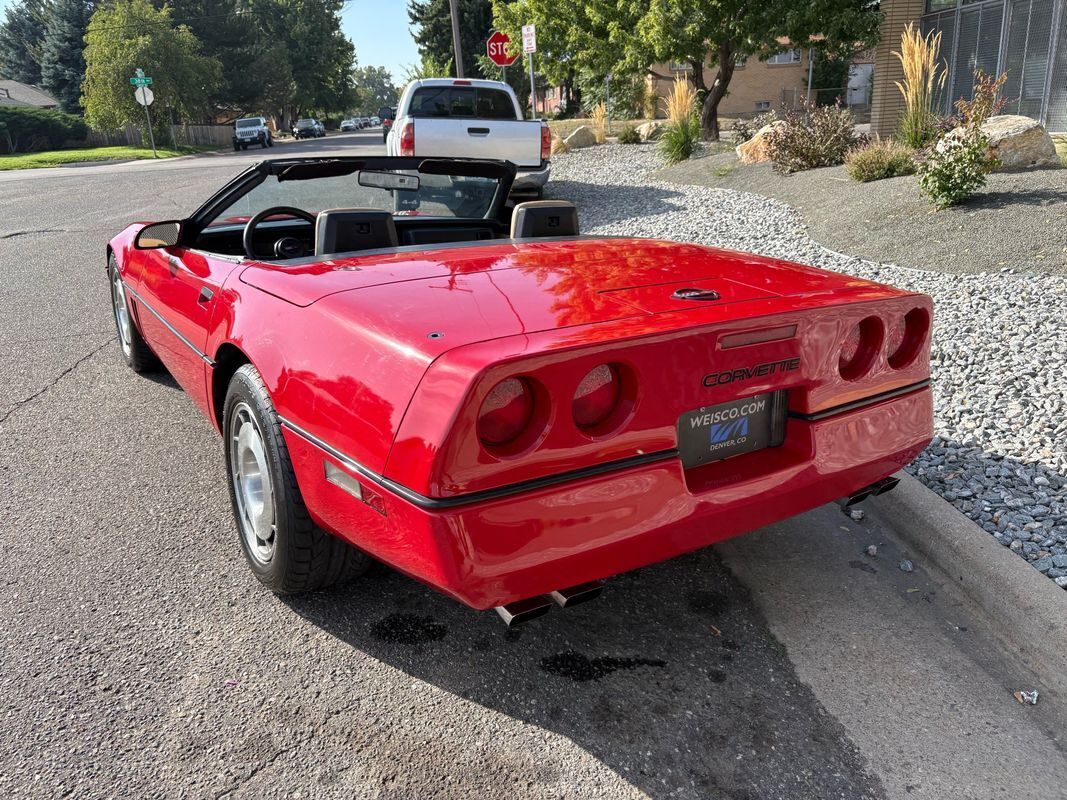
(670,679)
(996,199)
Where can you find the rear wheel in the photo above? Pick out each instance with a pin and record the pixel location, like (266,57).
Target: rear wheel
(135,350)
(286,551)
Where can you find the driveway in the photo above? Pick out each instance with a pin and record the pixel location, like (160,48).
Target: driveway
(141,659)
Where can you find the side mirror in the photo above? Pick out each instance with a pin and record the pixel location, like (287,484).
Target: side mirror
(159,234)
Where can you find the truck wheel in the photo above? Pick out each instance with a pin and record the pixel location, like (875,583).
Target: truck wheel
(263,143)
(286,551)
(236,147)
(135,350)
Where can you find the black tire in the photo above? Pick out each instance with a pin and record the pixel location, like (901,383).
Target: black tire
(236,147)
(304,557)
(137,355)
(262,144)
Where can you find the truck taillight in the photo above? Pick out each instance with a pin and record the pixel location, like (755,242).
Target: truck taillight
(407,139)
(546,142)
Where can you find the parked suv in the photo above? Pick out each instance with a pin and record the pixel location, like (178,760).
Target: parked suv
(308,129)
(251,130)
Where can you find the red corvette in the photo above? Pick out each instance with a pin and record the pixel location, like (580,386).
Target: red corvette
(508,413)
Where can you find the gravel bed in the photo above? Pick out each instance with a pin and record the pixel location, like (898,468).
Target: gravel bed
(999,353)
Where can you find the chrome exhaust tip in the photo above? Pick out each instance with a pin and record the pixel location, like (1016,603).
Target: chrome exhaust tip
(576,595)
(524,610)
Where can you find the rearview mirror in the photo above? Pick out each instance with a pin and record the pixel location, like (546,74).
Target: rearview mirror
(159,234)
(389,180)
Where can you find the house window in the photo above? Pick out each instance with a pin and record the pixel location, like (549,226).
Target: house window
(739,61)
(680,66)
(788,57)
(763,105)
(939,5)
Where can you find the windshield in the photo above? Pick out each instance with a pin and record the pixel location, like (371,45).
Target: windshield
(305,122)
(248,123)
(433,195)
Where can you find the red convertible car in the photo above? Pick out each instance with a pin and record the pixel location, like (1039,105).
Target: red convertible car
(403,368)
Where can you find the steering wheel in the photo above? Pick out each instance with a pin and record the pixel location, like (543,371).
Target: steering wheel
(250,227)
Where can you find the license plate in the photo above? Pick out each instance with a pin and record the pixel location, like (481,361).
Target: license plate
(712,433)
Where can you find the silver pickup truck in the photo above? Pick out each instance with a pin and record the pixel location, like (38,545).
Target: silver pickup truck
(458,118)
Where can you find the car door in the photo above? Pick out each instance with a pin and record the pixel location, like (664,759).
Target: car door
(180,288)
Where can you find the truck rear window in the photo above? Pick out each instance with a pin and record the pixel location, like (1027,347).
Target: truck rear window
(461,101)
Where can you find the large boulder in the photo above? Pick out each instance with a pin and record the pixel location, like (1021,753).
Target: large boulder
(1018,142)
(651,130)
(583,136)
(755,150)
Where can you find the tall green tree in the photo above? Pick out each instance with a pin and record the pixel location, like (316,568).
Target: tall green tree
(376,89)
(62,52)
(126,34)
(722,32)
(432,24)
(21,38)
(625,37)
(321,58)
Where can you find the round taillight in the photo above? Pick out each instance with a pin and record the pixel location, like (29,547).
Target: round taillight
(859,348)
(906,337)
(505,412)
(597,396)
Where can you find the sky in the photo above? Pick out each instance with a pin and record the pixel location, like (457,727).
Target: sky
(379,29)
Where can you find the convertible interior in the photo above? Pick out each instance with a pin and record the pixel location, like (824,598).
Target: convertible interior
(290,210)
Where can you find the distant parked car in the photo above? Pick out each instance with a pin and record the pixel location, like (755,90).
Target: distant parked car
(251,130)
(375,122)
(309,128)
(350,125)
(364,121)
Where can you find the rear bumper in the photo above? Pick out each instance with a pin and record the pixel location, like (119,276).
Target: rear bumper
(493,552)
(532,179)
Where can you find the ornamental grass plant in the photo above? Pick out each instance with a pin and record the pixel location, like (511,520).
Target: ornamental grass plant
(682,133)
(924,75)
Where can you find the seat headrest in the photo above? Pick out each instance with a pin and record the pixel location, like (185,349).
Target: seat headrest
(544,218)
(344,230)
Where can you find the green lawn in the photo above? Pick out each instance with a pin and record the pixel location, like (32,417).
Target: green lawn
(56,158)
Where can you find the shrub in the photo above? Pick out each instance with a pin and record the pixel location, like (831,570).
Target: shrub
(26,129)
(986,101)
(599,119)
(812,137)
(559,146)
(744,129)
(922,76)
(956,168)
(878,159)
(679,138)
(629,135)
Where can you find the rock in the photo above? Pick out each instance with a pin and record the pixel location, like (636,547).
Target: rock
(856,514)
(651,130)
(1043,564)
(1019,142)
(755,150)
(583,136)
(906,566)
(1062,582)
(1060,561)
(872,550)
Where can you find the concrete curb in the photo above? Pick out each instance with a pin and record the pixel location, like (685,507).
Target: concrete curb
(1026,610)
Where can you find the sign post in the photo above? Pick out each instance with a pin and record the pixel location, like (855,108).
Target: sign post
(529,46)
(607,99)
(143,95)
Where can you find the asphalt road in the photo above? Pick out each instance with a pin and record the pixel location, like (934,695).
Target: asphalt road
(141,659)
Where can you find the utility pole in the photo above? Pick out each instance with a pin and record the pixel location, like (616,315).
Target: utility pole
(455,37)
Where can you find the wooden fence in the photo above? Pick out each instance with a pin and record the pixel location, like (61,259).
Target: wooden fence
(199,135)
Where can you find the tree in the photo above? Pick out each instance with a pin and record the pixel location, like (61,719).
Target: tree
(62,52)
(375,87)
(625,37)
(129,34)
(432,21)
(723,31)
(21,37)
(321,58)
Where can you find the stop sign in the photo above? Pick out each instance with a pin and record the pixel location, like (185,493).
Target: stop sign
(497,50)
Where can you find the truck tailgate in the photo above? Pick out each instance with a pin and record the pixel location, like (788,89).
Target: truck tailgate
(514,140)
